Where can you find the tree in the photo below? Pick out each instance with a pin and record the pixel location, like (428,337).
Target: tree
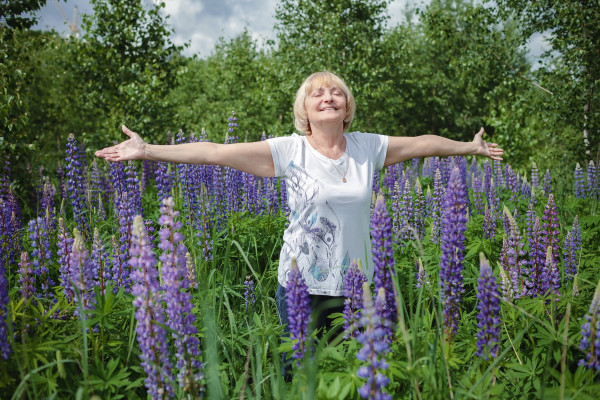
(343,36)
(571,70)
(125,64)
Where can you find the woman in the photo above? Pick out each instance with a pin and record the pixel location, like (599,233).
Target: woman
(328,174)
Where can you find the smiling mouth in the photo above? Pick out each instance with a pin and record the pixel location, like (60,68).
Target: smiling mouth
(329,108)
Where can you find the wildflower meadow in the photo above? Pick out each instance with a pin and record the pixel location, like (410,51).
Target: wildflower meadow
(154,280)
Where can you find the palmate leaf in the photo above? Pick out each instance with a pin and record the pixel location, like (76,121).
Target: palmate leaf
(108,378)
(578,385)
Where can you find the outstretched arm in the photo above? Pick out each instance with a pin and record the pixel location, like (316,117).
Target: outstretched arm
(405,148)
(254,158)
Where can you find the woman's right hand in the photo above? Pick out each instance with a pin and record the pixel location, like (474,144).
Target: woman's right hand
(132,149)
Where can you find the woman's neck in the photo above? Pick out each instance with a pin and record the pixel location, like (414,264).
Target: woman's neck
(330,143)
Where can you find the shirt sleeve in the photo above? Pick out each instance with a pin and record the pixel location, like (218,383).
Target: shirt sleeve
(282,150)
(375,147)
(381,146)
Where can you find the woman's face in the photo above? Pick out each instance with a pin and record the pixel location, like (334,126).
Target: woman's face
(326,104)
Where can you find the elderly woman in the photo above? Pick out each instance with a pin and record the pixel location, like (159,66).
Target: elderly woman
(329,178)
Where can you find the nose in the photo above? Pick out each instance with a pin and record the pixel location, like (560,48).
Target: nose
(327,97)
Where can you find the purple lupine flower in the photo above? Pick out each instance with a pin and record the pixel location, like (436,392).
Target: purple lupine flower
(488,319)
(547,183)
(437,212)
(590,334)
(453,238)
(285,208)
(525,188)
(164,180)
(475,170)
(421,274)
(552,274)
(534,176)
(498,178)
(571,248)
(82,275)
(487,178)
(353,292)
(64,245)
(120,266)
(26,279)
(133,189)
(592,180)
(579,183)
(117,181)
(512,183)
(180,318)
(489,223)
(478,205)
(537,279)
(151,334)
(550,227)
(406,212)
(249,294)
(383,258)
(272,196)
(376,181)
(5,348)
(298,304)
(76,182)
(374,346)
(414,164)
(99,260)
(513,260)
(9,232)
(147,173)
(391,176)
(418,217)
(396,210)
(47,210)
(41,254)
(428,203)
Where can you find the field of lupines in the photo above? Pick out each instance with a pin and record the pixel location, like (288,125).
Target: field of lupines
(158,280)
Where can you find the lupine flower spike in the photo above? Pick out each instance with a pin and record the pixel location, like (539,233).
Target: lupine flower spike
(180,318)
(298,303)
(374,346)
(249,294)
(590,334)
(488,319)
(453,238)
(151,334)
(353,293)
(383,257)
(5,348)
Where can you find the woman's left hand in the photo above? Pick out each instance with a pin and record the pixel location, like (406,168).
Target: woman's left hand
(485,149)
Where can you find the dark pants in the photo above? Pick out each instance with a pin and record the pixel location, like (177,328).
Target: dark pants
(321,307)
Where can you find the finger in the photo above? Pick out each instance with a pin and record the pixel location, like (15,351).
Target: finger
(128,131)
(481,132)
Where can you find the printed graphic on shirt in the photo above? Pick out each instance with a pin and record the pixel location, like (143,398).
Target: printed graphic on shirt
(316,238)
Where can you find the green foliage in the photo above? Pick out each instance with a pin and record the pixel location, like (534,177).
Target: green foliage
(572,68)
(124,66)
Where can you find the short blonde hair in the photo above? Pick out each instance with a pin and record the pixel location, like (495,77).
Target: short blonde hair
(320,79)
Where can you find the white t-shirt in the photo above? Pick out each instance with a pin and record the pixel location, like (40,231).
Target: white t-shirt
(329,220)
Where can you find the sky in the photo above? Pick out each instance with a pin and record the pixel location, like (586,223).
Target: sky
(201,23)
